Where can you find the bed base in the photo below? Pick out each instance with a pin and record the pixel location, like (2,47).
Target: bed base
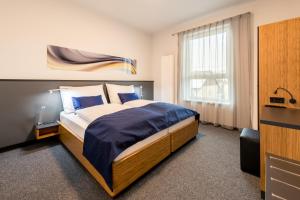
(133,166)
(183,135)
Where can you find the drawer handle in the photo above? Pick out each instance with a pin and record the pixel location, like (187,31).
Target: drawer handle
(274,179)
(283,170)
(274,158)
(278,197)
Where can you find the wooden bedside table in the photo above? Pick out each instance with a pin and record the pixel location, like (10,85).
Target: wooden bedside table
(46,130)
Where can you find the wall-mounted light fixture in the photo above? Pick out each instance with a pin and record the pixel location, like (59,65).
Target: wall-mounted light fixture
(54,90)
(138,89)
(141,88)
(292,100)
(43,113)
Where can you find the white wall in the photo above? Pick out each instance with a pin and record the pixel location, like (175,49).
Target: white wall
(167,79)
(28,26)
(264,11)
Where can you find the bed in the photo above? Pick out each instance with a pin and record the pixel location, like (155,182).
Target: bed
(137,159)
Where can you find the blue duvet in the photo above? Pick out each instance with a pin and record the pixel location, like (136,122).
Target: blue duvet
(109,135)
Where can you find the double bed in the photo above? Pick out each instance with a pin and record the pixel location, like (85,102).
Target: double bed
(135,160)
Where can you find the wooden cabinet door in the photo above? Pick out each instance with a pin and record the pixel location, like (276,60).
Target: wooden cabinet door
(279,61)
(279,66)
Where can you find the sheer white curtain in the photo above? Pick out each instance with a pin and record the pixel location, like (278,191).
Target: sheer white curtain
(214,71)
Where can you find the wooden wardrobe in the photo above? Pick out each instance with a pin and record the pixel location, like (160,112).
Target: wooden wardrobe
(279,66)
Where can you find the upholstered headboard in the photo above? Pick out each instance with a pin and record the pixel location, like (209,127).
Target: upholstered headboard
(21,101)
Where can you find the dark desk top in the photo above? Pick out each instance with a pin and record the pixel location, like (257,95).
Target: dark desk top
(283,117)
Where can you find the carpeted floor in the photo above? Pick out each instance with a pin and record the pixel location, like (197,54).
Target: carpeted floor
(206,168)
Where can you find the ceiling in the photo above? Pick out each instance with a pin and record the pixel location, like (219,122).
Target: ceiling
(154,15)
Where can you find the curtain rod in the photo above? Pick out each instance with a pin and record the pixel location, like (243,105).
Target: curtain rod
(184,30)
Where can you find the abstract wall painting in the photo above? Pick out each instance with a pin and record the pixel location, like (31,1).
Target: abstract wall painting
(62,58)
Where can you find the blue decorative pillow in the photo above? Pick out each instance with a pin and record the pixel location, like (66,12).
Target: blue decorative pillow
(85,102)
(124,97)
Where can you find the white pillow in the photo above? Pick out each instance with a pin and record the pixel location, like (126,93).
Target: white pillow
(113,91)
(67,92)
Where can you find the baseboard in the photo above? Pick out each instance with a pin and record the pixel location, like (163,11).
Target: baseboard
(25,144)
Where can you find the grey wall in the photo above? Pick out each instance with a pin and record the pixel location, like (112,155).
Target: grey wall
(21,100)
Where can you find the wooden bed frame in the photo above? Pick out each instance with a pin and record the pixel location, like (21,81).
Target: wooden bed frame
(133,166)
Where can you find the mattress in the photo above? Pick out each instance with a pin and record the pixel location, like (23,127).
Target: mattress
(77,126)
(138,103)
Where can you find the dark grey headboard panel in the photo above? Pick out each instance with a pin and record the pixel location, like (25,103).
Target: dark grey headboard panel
(21,101)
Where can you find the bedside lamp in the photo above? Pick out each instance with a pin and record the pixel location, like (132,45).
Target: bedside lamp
(46,129)
(292,100)
(141,89)
(42,114)
(138,89)
(53,90)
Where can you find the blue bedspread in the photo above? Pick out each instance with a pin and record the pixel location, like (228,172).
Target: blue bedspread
(109,135)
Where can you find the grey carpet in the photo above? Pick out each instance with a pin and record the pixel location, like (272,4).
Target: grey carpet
(206,168)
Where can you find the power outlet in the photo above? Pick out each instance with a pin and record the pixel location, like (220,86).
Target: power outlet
(277,99)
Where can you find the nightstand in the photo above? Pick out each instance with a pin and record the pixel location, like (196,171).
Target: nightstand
(46,130)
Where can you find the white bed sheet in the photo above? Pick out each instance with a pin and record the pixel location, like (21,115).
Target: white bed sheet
(74,124)
(138,103)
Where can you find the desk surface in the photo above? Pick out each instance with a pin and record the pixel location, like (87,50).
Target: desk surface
(283,117)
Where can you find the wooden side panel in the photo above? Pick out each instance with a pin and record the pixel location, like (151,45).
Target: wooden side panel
(263,141)
(127,170)
(279,61)
(272,61)
(279,66)
(75,146)
(293,65)
(180,137)
(283,142)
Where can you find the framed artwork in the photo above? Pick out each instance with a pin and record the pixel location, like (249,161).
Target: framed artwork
(63,58)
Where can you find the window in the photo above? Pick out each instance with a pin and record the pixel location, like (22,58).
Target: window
(206,65)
